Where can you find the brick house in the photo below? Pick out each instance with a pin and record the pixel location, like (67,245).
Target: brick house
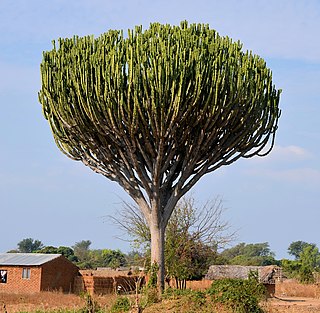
(35,272)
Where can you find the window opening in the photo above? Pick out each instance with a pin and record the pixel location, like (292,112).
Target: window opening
(3,276)
(26,273)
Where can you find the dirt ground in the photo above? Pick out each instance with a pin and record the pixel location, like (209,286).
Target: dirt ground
(293,304)
(11,303)
(291,297)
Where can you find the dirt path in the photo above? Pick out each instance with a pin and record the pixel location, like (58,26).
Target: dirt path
(294,304)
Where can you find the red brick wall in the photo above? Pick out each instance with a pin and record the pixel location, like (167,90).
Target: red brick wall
(16,284)
(58,274)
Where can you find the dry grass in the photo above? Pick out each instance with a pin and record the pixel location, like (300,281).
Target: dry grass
(39,301)
(292,288)
(292,297)
(185,305)
(49,301)
(199,284)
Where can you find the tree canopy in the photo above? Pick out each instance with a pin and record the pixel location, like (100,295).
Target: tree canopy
(296,247)
(306,263)
(29,245)
(157,109)
(144,109)
(256,254)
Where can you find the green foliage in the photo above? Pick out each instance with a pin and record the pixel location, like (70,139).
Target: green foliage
(188,252)
(192,236)
(172,293)
(199,297)
(91,306)
(81,251)
(87,258)
(113,258)
(66,251)
(305,264)
(152,283)
(157,109)
(101,258)
(135,259)
(48,250)
(153,78)
(196,299)
(122,304)
(81,246)
(258,254)
(149,296)
(241,296)
(296,248)
(29,245)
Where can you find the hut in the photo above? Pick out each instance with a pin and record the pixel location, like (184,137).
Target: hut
(267,275)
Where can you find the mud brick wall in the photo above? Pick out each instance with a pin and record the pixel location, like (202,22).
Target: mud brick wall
(105,285)
(58,274)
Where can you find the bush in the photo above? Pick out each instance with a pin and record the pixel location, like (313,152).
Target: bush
(193,301)
(149,296)
(122,304)
(241,296)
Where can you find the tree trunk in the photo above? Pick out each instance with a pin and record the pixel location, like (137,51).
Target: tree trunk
(157,230)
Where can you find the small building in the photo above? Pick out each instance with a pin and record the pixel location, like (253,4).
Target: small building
(35,272)
(267,275)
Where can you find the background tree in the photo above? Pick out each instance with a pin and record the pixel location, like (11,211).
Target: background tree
(113,258)
(306,264)
(66,251)
(296,247)
(158,109)
(135,259)
(29,245)
(86,258)
(81,251)
(257,254)
(192,237)
(48,250)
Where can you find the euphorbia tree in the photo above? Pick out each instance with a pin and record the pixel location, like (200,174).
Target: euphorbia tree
(157,109)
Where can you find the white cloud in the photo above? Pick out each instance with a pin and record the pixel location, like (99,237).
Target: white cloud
(289,153)
(296,175)
(291,163)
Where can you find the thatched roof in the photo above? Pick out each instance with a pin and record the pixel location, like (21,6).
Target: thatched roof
(266,273)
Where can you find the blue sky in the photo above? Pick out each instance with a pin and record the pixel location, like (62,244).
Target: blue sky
(46,196)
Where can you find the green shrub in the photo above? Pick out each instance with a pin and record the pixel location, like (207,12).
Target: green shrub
(170,293)
(149,296)
(122,304)
(198,298)
(241,296)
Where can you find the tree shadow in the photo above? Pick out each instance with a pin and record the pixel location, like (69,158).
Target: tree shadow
(289,300)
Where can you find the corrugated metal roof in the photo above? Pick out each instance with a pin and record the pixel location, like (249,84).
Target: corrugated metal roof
(26,259)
